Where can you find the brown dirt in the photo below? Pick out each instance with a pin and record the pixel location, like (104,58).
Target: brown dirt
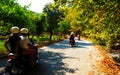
(103,63)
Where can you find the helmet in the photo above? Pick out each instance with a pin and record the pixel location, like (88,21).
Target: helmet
(14,30)
(72,33)
(24,30)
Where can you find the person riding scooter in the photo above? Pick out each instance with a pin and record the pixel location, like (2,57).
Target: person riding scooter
(26,46)
(13,41)
(72,40)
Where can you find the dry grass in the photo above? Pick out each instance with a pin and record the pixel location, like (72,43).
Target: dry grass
(107,66)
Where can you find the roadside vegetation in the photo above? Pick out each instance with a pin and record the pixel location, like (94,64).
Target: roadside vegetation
(40,41)
(2,48)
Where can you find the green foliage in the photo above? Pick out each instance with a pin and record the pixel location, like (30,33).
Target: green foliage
(2,47)
(53,15)
(64,27)
(12,14)
(41,24)
(45,38)
(98,20)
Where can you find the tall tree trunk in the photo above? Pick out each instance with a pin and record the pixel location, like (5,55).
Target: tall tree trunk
(51,33)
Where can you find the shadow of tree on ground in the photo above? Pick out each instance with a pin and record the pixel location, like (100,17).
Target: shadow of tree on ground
(51,64)
(4,61)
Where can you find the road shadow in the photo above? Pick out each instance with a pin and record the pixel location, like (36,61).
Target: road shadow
(4,61)
(3,64)
(51,64)
(83,44)
(61,45)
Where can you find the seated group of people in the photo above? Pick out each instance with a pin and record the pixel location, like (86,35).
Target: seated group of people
(20,44)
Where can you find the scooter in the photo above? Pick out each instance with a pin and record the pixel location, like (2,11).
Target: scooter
(15,65)
(18,65)
(72,42)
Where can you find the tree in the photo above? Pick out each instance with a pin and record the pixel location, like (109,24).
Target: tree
(12,14)
(97,19)
(52,18)
(41,24)
(64,27)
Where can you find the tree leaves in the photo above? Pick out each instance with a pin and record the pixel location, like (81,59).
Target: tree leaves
(12,14)
(101,18)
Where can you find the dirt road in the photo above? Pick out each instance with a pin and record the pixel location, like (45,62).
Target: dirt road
(62,59)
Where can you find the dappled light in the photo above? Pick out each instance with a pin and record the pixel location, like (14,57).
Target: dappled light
(51,64)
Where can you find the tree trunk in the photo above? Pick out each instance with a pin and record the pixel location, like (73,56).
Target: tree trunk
(51,33)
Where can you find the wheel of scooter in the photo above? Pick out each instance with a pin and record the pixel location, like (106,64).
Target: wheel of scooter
(17,69)
(72,44)
(39,57)
(4,72)
(7,68)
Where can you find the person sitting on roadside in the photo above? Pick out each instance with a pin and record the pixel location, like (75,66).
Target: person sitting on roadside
(13,41)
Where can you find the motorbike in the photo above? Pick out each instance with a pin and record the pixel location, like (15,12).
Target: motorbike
(72,42)
(14,65)
(18,65)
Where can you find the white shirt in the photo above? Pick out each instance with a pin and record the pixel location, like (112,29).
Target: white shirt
(24,42)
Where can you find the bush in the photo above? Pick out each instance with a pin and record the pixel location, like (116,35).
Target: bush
(2,47)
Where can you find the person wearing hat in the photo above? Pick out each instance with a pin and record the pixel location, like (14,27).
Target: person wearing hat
(71,39)
(26,46)
(13,41)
